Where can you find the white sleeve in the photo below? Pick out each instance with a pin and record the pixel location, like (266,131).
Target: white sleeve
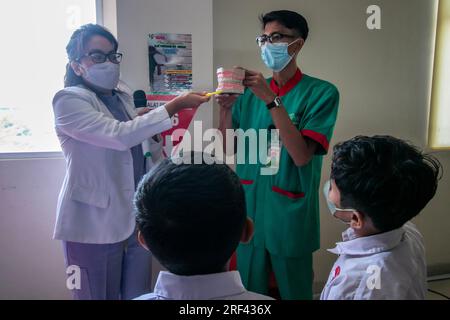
(77,118)
(378,283)
(342,288)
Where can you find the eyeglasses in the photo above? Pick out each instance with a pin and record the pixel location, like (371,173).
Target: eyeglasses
(100,57)
(273,38)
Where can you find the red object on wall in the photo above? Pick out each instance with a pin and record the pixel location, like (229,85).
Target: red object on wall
(180,120)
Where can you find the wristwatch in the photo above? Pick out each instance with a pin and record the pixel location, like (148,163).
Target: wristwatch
(275,103)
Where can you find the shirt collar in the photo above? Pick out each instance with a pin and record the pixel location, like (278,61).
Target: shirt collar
(199,287)
(377,243)
(292,82)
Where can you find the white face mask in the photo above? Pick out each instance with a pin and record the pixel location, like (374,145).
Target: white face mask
(103,75)
(331,205)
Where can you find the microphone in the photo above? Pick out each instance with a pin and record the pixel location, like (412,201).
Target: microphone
(140,99)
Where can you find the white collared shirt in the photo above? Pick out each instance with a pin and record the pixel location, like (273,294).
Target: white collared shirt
(217,286)
(386,266)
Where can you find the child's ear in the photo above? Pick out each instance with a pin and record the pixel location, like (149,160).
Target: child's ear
(357,221)
(141,240)
(247,233)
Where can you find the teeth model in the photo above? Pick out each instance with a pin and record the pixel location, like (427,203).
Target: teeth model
(230,80)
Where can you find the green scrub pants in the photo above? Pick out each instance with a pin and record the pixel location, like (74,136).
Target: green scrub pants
(294,276)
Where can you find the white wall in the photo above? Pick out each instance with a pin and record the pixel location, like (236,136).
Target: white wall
(137,18)
(31,263)
(383,77)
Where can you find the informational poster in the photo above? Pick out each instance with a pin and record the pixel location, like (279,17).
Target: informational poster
(170,62)
(180,120)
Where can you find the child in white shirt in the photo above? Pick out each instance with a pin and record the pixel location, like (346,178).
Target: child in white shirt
(378,184)
(192,217)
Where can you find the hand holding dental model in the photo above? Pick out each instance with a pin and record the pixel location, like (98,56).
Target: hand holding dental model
(231,80)
(230,86)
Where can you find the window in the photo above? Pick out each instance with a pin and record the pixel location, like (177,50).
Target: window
(439,128)
(33,36)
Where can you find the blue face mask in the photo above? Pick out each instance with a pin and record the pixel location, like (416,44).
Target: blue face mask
(276,55)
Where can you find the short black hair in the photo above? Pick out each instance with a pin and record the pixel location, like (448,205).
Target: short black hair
(289,19)
(386,178)
(191,215)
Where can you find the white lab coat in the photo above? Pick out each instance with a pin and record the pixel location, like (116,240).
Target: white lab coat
(95,202)
(386,266)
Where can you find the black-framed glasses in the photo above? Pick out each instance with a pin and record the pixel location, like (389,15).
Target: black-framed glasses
(100,57)
(273,38)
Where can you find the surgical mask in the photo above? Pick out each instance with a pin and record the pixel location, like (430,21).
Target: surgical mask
(276,55)
(103,75)
(331,206)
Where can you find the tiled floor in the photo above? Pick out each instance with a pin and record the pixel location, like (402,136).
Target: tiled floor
(441,286)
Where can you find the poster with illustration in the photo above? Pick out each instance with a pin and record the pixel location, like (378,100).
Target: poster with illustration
(170,62)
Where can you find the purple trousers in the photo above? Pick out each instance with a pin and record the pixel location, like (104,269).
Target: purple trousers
(110,271)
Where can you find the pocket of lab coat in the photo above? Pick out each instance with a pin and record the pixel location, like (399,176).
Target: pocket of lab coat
(91,196)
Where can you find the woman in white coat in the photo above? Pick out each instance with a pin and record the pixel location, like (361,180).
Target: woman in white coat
(104,142)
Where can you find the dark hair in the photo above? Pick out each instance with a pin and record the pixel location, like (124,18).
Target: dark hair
(386,178)
(191,215)
(75,48)
(289,19)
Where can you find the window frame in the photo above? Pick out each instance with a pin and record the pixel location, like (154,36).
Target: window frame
(50,154)
(443,10)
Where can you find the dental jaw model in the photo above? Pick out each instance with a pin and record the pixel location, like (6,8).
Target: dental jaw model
(230,80)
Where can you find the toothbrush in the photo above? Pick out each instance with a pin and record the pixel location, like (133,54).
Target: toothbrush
(213,93)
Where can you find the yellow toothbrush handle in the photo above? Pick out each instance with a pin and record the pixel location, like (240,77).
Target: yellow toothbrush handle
(213,93)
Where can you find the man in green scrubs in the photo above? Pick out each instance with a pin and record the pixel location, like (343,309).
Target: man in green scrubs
(284,206)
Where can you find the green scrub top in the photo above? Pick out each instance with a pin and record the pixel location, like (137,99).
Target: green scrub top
(285,206)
